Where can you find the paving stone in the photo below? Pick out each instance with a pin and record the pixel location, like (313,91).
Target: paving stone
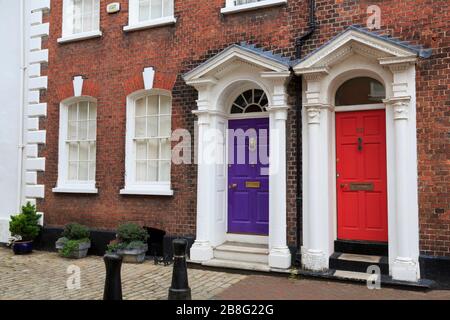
(43,275)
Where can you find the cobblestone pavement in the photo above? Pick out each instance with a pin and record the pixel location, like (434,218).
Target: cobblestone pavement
(43,275)
(261,287)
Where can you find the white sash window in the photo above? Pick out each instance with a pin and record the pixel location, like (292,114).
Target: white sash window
(150,13)
(148,145)
(77,146)
(81,19)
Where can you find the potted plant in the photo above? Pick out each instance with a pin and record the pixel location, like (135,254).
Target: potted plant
(74,242)
(130,243)
(24,227)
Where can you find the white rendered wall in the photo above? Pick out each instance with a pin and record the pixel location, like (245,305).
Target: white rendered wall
(10,95)
(21,30)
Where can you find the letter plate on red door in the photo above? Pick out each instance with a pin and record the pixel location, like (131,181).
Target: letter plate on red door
(361,186)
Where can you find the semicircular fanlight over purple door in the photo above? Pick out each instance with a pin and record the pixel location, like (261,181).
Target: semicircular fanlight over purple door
(248,180)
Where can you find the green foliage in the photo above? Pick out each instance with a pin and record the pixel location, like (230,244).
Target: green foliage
(135,245)
(25,224)
(116,246)
(129,232)
(70,246)
(75,231)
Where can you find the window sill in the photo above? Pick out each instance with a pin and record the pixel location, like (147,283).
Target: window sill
(80,36)
(150,24)
(147,191)
(252,6)
(90,189)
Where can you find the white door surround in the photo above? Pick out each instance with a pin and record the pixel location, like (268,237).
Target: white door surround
(357,53)
(218,82)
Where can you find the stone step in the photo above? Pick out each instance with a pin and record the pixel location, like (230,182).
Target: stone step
(358,262)
(230,264)
(361,247)
(244,252)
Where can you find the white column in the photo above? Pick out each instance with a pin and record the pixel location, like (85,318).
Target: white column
(202,250)
(314,257)
(404,267)
(279,256)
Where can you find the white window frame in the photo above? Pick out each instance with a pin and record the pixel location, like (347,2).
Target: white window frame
(64,185)
(232,7)
(135,24)
(67,25)
(132,187)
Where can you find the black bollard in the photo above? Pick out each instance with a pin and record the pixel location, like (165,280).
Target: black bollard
(113,282)
(180,287)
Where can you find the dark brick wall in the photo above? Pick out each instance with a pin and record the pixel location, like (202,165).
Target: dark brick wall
(113,61)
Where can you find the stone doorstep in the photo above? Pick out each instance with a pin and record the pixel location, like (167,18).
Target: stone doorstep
(331,274)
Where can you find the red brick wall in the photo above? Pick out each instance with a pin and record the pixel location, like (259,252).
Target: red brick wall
(200,32)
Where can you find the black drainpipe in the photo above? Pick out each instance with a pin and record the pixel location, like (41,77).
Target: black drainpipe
(299,42)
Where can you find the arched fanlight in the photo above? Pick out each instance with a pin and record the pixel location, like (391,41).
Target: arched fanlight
(254,100)
(361,90)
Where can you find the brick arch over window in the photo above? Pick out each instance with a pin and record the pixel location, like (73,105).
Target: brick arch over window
(163,81)
(89,88)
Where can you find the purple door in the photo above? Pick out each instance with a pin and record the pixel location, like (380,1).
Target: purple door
(248,180)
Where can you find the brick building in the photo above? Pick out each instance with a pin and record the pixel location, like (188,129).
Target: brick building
(357,118)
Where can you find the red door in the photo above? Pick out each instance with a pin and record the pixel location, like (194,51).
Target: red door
(361,175)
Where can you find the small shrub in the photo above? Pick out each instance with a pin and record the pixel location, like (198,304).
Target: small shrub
(70,246)
(76,231)
(25,225)
(135,245)
(129,232)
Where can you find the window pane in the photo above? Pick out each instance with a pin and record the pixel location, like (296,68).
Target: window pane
(165,105)
(144,10)
(140,107)
(92,152)
(73,112)
(152,126)
(92,130)
(77,16)
(73,167)
(73,151)
(83,111)
(167,8)
(152,171)
(92,111)
(83,171)
(87,15)
(141,170)
(82,130)
(156,9)
(165,149)
(72,130)
(153,149)
(165,126)
(84,151)
(152,105)
(141,150)
(140,127)
(164,171)
(92,170)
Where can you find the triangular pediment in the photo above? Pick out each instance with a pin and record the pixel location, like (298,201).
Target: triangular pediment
(234,57)
(357,40)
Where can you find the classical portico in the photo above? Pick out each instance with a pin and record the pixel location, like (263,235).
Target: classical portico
(352,54)
(238,69)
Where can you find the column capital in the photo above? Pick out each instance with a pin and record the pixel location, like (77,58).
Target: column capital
(313,112)
(400,106)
